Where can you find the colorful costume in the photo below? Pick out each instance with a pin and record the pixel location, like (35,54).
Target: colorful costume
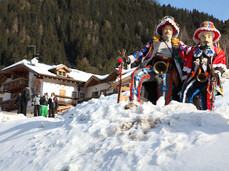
(158,49)
(204,66)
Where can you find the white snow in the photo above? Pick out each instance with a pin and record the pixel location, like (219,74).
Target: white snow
(100,135)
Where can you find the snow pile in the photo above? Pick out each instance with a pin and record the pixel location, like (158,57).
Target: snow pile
(226,74)
(6,117)
(101,135)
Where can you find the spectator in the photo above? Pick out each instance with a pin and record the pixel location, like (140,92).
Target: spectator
(25,97)
(53,105)
(18,103)
(36,103)
(44,105)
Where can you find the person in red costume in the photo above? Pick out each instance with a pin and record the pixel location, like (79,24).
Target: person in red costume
(204,67)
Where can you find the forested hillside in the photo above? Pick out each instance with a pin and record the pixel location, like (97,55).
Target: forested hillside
(87,34)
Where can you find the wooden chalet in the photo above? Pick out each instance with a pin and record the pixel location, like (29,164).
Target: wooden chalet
(40,78)
(71,86)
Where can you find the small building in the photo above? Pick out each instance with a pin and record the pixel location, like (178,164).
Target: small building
(71,86)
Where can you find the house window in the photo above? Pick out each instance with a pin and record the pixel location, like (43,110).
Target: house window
(74,94)
(64,74)
(95,94)
(60,73)
(82,95)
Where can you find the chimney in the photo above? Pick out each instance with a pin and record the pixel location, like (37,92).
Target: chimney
(34,61)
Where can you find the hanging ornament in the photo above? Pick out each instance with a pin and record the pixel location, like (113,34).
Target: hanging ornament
(164,75)
(164,88)
(197,53)
(145,71)
(208,52)
(197,62)
(135,91)
(138,77)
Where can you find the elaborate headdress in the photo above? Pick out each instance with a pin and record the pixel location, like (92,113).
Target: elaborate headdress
(206,26)
(168,20)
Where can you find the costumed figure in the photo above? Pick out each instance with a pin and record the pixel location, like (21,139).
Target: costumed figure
(205,65)
(161,66)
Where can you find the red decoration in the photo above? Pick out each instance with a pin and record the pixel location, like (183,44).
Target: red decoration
(192,74)
(119,60)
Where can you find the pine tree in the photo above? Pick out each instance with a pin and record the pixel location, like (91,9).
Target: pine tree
(87,34)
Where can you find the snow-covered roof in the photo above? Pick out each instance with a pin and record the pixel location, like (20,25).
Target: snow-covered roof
(44,69)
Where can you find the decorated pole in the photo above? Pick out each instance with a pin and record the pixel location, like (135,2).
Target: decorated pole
(213,84)
(120,61)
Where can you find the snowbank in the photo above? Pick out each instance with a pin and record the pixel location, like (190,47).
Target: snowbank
(6,117)
(101,135)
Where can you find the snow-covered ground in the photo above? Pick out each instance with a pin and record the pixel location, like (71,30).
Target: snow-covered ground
(101,135)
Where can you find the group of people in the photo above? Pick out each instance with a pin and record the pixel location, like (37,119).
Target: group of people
(176,71)
(43,106)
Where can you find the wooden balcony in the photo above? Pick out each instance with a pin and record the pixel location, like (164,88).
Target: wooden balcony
(15,85)
(65,100)
(8,105)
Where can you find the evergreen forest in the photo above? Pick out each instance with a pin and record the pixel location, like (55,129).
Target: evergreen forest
(87,34)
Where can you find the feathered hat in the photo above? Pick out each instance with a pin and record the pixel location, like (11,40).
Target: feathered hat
(206,26)
(168,20)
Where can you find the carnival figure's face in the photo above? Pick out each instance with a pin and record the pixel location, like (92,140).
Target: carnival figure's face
(167,32)
(206,38)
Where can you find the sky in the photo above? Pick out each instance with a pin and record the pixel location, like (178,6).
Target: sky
(100,135)
(218,8)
